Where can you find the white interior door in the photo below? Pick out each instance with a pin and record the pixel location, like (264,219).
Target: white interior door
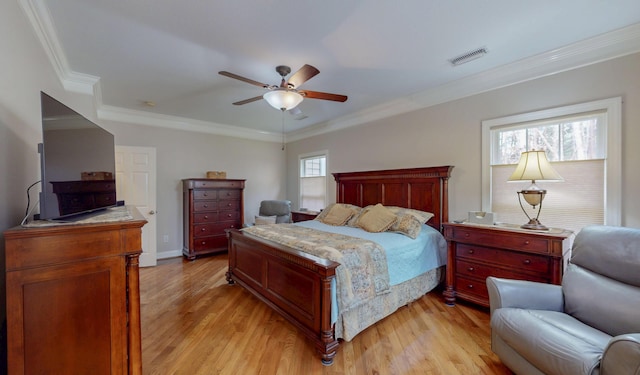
(136,185)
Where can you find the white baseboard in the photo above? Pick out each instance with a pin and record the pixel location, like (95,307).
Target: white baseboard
(169,254)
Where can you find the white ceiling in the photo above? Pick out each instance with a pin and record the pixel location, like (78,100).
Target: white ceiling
(386,56)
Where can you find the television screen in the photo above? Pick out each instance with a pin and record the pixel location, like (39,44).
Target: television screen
(77,163)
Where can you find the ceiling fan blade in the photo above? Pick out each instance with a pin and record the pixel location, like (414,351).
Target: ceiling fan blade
(323,95)
(243,79)
(303,75)
(250,100)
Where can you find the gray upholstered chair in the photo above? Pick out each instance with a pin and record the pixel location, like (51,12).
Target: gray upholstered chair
(281,209)
(589,325)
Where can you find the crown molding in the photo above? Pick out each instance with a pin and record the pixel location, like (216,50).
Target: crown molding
(603,47)
(38,15)
(118,114)
(611,45)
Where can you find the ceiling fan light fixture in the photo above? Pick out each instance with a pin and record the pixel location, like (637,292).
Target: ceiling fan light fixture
(283,99)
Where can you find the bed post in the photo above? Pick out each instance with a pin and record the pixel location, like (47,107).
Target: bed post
(328,345)
(445,198)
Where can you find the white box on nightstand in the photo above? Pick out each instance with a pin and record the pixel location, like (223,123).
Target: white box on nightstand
(481,217)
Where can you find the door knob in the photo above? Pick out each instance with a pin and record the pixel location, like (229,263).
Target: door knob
(152,212)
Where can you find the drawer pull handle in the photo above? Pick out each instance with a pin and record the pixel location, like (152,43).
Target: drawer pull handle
(466,234)
(206,206)
(471,251)
(470,269)
(206,195)
(470,286)
(203,242)
(203,229)
(527,261)
(206,217)
(526,242)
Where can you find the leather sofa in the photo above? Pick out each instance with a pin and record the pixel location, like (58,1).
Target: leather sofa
(588,325)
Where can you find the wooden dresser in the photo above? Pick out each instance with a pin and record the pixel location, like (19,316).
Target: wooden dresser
(478,251)
(73,303)
(78,196)
(210,207)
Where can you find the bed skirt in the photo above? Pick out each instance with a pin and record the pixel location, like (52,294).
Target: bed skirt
(357,319)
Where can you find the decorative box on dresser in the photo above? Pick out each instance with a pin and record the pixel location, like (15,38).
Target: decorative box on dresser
(73,298)
(478,251)
(211,206)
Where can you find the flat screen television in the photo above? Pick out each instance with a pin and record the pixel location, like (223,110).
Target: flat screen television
(77,164)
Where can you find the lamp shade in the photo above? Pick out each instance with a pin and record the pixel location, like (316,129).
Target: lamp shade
(534,166)
(282,99)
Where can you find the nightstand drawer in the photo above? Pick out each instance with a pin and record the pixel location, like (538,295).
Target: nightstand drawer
(297,216)
(482,271)
(523,243)
(521,261)
(476,288)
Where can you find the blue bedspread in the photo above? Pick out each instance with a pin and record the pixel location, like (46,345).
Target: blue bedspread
(406,257)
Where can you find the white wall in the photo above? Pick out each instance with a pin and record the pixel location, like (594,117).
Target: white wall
(450,133)
(26,71)
(181,154)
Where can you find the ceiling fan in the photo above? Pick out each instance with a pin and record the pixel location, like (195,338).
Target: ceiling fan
(287,95)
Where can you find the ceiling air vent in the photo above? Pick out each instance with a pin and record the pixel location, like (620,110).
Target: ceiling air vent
(468,56)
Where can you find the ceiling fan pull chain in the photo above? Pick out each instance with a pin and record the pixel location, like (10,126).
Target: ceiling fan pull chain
(282,110)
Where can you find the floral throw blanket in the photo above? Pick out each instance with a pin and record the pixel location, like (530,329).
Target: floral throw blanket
(362,273)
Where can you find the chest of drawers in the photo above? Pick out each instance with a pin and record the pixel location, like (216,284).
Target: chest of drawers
(79,196)
(210,207)
(476,252)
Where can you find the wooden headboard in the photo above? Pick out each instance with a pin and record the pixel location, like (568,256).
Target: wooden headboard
(424,189)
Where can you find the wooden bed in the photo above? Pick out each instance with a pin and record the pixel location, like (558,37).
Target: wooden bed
(298,285)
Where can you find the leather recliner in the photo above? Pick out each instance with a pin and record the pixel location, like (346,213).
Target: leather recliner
(281,209)
(588,325)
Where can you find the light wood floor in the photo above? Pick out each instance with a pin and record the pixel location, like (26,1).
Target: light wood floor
(193,322)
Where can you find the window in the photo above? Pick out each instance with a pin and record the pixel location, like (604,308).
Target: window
(313,182)
(583,144)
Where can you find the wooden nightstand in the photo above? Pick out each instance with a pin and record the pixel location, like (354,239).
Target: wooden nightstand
(478,251)
(297,216)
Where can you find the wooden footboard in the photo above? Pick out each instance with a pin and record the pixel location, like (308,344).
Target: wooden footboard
(296,284)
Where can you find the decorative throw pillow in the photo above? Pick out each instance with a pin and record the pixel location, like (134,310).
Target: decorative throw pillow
(377,219)
(422,216)
(338,215)
(327,209)
(263,220)
(408,225)
(353,222)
